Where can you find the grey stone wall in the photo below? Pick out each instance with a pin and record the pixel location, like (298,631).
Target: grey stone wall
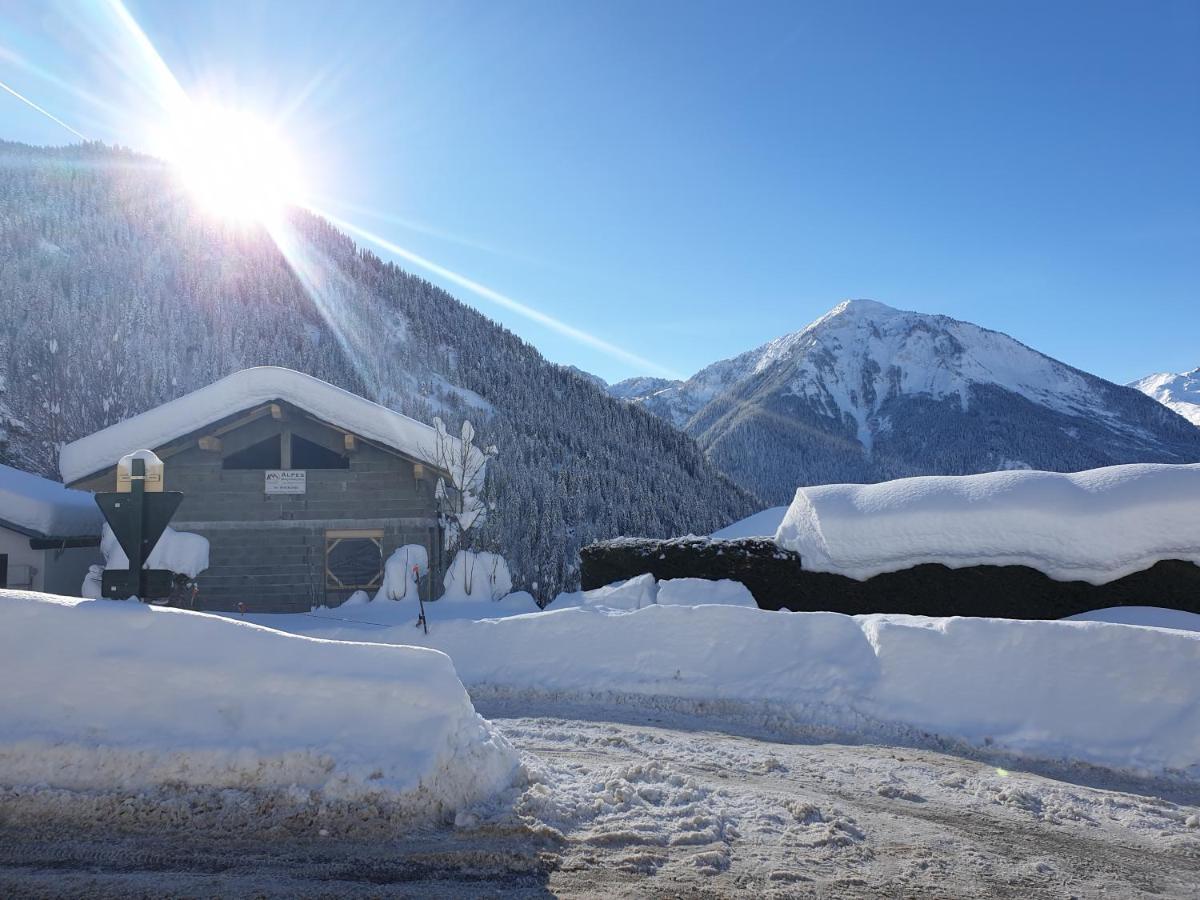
(268,551)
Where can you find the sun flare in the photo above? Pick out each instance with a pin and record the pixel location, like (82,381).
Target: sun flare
(238,166)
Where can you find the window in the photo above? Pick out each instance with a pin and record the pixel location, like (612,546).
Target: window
(353,560)
(308,455)
(268,454)
(263,455)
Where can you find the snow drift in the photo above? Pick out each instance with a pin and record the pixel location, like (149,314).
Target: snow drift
(1094,526)
(114,696)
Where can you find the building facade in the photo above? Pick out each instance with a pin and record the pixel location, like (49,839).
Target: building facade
(49,535)
(302,490)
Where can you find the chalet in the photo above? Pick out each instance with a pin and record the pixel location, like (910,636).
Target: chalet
(49,535)
(302,489)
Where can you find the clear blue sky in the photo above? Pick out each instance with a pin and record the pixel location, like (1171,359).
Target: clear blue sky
(688,180)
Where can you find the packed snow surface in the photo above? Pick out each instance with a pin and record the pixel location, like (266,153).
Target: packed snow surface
(46,508)
(111,695)
(761,524)
(241,391)
(1093,526)
(1084,691)
(1178,392)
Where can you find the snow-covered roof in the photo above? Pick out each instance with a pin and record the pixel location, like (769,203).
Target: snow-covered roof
(39,507)
(241,391)
(1093,526)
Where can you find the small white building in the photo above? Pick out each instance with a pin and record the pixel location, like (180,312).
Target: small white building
(49,534)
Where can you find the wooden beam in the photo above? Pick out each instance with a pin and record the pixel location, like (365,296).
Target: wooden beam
(349,442)
(276,411)
(210,442)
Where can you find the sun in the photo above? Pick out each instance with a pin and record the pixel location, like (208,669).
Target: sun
(237,165)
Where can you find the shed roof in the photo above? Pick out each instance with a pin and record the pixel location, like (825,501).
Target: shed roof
(242,391)
(41,508)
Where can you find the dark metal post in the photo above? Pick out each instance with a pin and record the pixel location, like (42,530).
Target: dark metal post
(137,488)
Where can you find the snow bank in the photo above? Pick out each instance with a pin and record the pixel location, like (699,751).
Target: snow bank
(176,551)
(761,524)
(45,508)
(113,696)
(1083,691)
(1093,526)
(634,593)
(244,390)
(476,576)
(701,591)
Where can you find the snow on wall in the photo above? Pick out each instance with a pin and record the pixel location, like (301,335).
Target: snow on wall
(240,391)
(94,691)
(1093,526)
(45,507)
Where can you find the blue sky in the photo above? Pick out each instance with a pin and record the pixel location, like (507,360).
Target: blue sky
(688,180)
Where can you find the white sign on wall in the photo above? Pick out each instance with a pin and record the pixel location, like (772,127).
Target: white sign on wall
(285,481)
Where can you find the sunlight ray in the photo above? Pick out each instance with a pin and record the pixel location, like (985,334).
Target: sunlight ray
(481,290)
(48,115)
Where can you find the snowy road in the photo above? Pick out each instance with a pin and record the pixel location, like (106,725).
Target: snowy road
(643,810)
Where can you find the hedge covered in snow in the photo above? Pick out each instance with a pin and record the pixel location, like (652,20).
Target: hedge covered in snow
(1094,526)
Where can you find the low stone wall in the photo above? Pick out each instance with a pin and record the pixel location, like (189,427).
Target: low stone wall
(777,580)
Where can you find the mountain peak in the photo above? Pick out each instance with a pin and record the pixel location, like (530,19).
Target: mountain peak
(1177,391)
(862,307)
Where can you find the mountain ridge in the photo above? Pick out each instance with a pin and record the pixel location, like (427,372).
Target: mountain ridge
(1178,391)
(867,392)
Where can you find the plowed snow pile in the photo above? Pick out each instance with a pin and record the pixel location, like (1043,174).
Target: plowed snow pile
(1112,695)
(109,708)
(1093,526)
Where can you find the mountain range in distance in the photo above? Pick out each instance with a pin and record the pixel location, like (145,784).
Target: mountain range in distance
(868,392)
(1180,392)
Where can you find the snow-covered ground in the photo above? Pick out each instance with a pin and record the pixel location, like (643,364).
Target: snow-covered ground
(657,806)
(702,750)
(127,710)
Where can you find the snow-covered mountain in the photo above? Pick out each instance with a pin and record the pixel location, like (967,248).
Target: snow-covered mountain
(117,294)
(1180,392)
(867,392)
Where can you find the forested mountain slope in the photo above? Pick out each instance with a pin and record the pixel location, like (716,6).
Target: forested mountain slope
(117,293)
(868,393)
